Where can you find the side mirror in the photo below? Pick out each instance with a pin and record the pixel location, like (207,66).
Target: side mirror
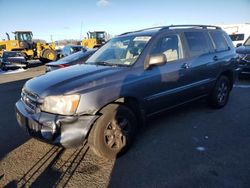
(158,59)
(238,50)
(238,45)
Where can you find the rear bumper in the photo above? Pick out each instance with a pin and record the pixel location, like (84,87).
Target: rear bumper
(66,131)
(244,71)
(15,65)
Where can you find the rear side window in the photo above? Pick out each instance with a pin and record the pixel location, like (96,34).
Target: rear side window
(237,37)
(219,41)
(197,42)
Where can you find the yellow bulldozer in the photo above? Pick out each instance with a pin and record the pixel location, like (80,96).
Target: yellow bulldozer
(32,50)
(95,39)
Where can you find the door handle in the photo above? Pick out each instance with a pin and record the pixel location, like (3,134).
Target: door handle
(215,58)
(185,66)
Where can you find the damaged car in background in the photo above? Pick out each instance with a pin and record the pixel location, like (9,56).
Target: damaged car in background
(13,60)
(73,59)
(244,58)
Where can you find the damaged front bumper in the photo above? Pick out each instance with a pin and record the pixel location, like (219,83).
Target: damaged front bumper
(66,131)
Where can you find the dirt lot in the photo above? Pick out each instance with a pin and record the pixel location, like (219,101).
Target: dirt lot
(193,146)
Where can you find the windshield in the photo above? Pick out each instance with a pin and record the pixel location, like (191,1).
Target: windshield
(76,48)
(120,51)
(74,56)
(11,54)
(247,43)
(98,35)
(23,36)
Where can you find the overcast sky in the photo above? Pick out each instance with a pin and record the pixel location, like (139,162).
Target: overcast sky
(62,19)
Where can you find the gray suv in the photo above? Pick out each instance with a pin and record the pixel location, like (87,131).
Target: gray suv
(133,76)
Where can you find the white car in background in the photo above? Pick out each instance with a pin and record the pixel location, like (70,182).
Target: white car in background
(237,32)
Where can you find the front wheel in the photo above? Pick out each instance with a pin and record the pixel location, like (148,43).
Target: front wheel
(220,94)
(113,132)
(48,55)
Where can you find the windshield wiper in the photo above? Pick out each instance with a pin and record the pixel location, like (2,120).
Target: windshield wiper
(104,63)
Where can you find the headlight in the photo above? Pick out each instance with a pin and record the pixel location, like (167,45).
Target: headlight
(64,104)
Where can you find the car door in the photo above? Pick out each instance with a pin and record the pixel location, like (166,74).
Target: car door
(202,62)
(222,54)
(166,84)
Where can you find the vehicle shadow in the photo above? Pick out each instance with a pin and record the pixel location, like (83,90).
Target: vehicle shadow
(50,170)
(9,129)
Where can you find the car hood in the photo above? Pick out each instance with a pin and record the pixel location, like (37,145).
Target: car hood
(243,50)
(74,79)
(59,62)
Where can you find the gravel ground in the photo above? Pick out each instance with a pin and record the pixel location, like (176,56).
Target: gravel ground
(36,164)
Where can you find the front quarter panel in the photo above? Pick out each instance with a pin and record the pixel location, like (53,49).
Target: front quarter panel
(121,85)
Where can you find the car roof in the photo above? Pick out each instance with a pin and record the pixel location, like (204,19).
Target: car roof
(154,30)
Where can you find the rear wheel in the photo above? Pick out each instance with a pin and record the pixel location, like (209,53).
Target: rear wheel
(220,94)
(3,68)
(113,132)
(26,67)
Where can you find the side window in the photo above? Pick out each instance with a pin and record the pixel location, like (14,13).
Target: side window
(237,37)
(197,42)
(64,50)
(170,46)
(67,50)
(219,41)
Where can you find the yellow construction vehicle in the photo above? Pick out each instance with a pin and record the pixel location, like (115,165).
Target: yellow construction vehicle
(33,50)
(95,39)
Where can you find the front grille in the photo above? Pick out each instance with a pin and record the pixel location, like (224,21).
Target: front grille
(247,58)
(30,100)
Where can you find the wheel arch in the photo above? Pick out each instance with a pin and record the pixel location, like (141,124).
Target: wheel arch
(230,75)
(132,103)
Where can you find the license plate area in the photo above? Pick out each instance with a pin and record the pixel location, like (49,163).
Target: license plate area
(34,126)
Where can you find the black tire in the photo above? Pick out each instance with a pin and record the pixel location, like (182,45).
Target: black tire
(113,132)
(3,68)
(220,94)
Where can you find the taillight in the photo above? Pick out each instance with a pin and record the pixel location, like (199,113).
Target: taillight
(63,65)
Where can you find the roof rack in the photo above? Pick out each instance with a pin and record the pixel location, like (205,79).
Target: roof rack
(188,26)
(145,29)
(174,26)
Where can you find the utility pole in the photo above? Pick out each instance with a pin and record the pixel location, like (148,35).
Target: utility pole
(81,31)
(51,38)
